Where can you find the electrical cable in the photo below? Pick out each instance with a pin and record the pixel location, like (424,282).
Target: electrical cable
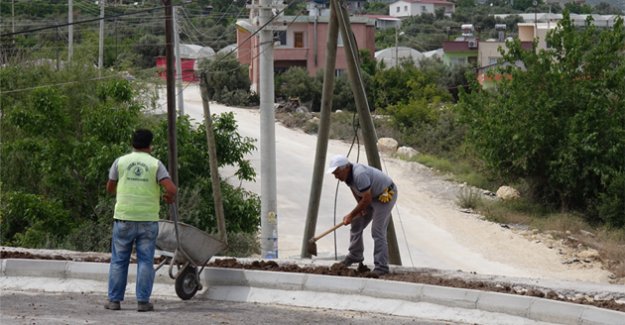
(247,39)
(78,22)
(401,222)
(160,106)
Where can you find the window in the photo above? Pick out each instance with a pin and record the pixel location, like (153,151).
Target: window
(458,61)
(280,37)
(339,72)
(406,8)
(424,9)
(397,8)
(298,39)
(492,60)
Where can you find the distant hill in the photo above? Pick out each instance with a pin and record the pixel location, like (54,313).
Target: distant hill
(614,3)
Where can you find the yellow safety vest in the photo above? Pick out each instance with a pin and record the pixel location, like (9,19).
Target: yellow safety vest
(138,192)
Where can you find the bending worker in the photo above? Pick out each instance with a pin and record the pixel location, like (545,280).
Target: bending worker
(376,195)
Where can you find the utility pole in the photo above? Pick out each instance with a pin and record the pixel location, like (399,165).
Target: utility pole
(70,30)
(397,46)
(268,200)
(171,95)
(178,63)
(13,19)
(368,129)
(101,45)
(212,157)
(323,133)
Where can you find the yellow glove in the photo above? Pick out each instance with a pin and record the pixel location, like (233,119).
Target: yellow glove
(386,197)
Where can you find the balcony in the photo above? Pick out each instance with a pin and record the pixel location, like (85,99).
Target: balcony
(290,54)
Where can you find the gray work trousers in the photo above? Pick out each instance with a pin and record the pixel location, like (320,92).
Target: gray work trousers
(380,214)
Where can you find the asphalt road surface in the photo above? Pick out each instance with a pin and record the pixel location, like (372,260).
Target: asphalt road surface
(24,307)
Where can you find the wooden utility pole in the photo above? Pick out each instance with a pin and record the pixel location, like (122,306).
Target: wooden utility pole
(171,95)
(323,133)
(213,164)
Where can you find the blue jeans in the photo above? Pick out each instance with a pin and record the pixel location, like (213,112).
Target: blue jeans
(125,235)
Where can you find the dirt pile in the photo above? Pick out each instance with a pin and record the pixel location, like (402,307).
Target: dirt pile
(339,269)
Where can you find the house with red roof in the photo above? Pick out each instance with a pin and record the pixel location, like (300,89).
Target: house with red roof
(408,8)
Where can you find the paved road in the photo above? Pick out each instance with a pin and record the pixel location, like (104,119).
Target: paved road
(22,307)
(431,231)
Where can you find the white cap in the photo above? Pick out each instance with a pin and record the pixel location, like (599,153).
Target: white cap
(336,162)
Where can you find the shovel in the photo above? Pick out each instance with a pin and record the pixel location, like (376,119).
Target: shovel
(312,245)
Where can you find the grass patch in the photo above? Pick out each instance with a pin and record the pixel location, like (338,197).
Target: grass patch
(469,198)
(459,171)
(241,244)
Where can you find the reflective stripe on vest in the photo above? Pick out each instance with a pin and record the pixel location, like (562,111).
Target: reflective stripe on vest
(138,191)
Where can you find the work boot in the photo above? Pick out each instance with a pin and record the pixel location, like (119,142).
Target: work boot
(112,305)
(348,261)
(145,306)
(379,272)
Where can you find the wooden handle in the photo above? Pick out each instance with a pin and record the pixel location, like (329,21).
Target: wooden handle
(337,226)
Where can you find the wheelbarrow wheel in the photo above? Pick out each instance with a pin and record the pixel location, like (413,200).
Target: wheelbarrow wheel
(186,283)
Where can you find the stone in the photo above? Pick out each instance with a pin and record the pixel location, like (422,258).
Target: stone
(387,145)
(507,193)
(406,152)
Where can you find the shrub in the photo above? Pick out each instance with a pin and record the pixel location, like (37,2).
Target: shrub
(33,221)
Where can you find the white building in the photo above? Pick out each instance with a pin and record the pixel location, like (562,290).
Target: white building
(408,8)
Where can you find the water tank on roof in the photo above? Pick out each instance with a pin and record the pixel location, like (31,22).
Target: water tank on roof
(467,29)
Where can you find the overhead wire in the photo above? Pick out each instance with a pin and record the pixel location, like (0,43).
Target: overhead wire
(78,22)
(260,28)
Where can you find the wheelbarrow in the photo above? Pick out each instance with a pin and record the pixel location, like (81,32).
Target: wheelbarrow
(186,248)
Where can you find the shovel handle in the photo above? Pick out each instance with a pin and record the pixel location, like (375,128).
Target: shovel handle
(337,226)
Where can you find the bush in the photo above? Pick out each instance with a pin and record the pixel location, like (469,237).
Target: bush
(225,75)
(558,122)
(32,221)
(242,244)
(611,206)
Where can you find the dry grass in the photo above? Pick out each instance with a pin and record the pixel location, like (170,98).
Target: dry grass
(577,233)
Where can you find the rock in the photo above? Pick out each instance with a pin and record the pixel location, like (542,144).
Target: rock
(575,260)
(589,254)
(302,109)
(507,193)
(387,145)
(406,152)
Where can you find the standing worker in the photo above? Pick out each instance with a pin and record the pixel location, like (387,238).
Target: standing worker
(135,179)
(376,195)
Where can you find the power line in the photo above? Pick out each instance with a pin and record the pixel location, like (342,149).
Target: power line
(79,22)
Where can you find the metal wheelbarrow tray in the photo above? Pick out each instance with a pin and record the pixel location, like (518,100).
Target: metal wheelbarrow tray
(188,248)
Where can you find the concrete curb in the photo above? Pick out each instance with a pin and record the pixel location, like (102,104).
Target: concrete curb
(533,308)
(357,293)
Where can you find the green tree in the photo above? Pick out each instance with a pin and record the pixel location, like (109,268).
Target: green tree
(62,130)
(228,80)
(295,82)
(558,123)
